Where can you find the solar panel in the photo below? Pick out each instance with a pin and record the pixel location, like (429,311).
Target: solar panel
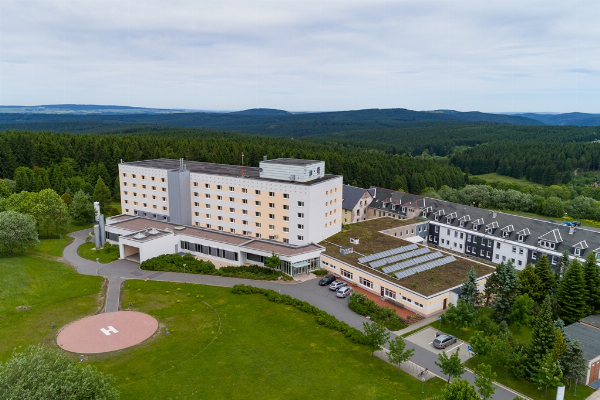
(411,262)
(387,253)
(403,256)
(424,267)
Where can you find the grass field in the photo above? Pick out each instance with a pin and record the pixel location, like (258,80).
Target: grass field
(494,177)
(105,256)
(232,346)
(52,291)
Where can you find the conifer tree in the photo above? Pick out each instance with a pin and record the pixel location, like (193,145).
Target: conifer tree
(543,337)
(531,284)
(571,295)
(508,290)
(562,266)
(542,269)
(591,273)
(468,290)
(102,194)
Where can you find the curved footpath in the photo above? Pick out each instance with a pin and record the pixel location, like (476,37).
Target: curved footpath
(121,270)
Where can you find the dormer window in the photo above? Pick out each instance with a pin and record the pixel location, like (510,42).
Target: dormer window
(436,217)
(521,238)
(578,252)
(462,224)
(403,209)
(475,227)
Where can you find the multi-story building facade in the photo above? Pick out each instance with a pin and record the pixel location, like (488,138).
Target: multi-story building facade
(489,235)
(355,204)
(287,200)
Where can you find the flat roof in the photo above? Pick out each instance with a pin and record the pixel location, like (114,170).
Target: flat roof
(235,171)
(136,224)
(291,161)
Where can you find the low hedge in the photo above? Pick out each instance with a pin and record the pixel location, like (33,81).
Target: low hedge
(174,263)
(320,272)
(322,317)
(361,304)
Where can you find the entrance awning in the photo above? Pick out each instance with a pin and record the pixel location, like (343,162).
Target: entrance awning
(300,264)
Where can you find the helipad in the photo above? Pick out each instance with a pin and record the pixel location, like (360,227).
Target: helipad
(107,332)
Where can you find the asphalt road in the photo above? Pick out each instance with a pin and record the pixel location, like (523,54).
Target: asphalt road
(309,291)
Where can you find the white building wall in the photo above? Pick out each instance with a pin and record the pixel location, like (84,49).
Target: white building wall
(453,239)
(505,251)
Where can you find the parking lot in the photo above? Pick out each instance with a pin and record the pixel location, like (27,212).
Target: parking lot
(425,339)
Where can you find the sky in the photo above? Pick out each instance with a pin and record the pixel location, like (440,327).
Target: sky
(304,55)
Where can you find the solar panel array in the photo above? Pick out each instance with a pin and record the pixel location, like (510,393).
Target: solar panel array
(425,267)
(411,262)
(387,253)
(403,256)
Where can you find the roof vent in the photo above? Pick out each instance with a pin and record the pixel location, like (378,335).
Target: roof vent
(571,230)
(264,158)
(139,235)
(179,228)
(292,177)
(154,231)
(494,214)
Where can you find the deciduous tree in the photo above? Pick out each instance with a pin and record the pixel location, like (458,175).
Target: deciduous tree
(459,389)
(398,353)
(548,373)
(480,344)
(375,336)
(273,261)
(17,231)
(451,366)
(484,380)
(82,209)
(521,311)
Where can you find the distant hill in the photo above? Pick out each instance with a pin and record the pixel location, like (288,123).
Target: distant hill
(575,118)
(261,111)
(85,109)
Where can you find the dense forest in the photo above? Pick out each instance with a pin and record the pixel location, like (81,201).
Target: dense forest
(542,162)
(70,162)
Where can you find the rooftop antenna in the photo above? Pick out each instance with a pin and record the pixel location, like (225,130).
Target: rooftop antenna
(242,164)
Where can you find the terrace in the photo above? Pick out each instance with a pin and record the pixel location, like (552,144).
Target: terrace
(419,268)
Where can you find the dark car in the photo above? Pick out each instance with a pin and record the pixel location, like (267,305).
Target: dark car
(576,223)
(326,280)
(442,341)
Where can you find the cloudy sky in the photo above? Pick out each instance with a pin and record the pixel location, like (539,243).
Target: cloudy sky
(487,55)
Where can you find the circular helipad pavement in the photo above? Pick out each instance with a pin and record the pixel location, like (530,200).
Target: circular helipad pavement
(107,332)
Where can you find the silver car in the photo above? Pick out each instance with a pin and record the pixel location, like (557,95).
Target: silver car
(337,285)
(442,341)
(344,291)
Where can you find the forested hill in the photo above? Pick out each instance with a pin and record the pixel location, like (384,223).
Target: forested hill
(69,162)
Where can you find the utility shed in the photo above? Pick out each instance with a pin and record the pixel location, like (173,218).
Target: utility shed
(589,338)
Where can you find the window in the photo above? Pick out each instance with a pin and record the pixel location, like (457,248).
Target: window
(245,222)
(231,189)
(366,282)
(258,225)
(286,218)
(577,252)
(207,196)
(271,194)
(468,238)
(521,238)
(145,205)
(220,228)
(219,188)
(468,249)
(286,196)
(257,213)
(388,293)
(143,177)
(437,229)
(286,207)
(220,208)
(534,255)
(257,192)
(152,178)
(271,205)
(286,229)
(286,240)
(196,204)
(134,185)
(164,208)
(244,201)
(244,190)
(206,186)
(154,206)
(208,216)
(461,235)
(154,188)
(208,226)
(232,210)
(497,256)
(162,179)
(231,230)
(124,183)
(258,235)
(195,183)
(300,204)
(220,218)
(164,199)
(164,189)
(208,206)
(271,227)
(257,203)
(219,198)
(497,245)
(455,234)
(521,251)
(231,199)
(520,262)
(345,273)
(300,237)
(300,215)
(133,175)
(447,233)
(300,226)
(503,258)
(514,249)
(271,216)
(245,212)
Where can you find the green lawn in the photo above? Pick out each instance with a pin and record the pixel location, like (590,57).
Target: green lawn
(105,256)
(494,177)
(53,291)
(233,347)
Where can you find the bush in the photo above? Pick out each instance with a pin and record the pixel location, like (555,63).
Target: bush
(322,318)
(320,272)
(361,304)
(174,263)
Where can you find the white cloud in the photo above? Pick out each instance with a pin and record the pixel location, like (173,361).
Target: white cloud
(303,55)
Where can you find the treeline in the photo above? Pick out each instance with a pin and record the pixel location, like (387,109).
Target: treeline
(552,205)
(68,161)
(545,162)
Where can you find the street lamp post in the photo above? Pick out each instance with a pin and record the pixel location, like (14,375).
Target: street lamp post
(98,265)
(423,385)
(184,268)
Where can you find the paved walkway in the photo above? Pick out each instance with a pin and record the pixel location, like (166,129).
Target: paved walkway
(309,291)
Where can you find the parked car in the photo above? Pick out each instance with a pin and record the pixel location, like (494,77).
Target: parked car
(344,291)
(337,285)
(442,341)
(327,280)
(576,223)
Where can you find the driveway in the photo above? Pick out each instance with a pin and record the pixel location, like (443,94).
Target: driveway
(309,291)
(425,337)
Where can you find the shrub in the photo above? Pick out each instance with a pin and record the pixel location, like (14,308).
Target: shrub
(320,272)
(321,317)
(361,304)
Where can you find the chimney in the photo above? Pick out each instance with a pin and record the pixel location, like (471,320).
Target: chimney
(264,158)
(571,230)
(494,214)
